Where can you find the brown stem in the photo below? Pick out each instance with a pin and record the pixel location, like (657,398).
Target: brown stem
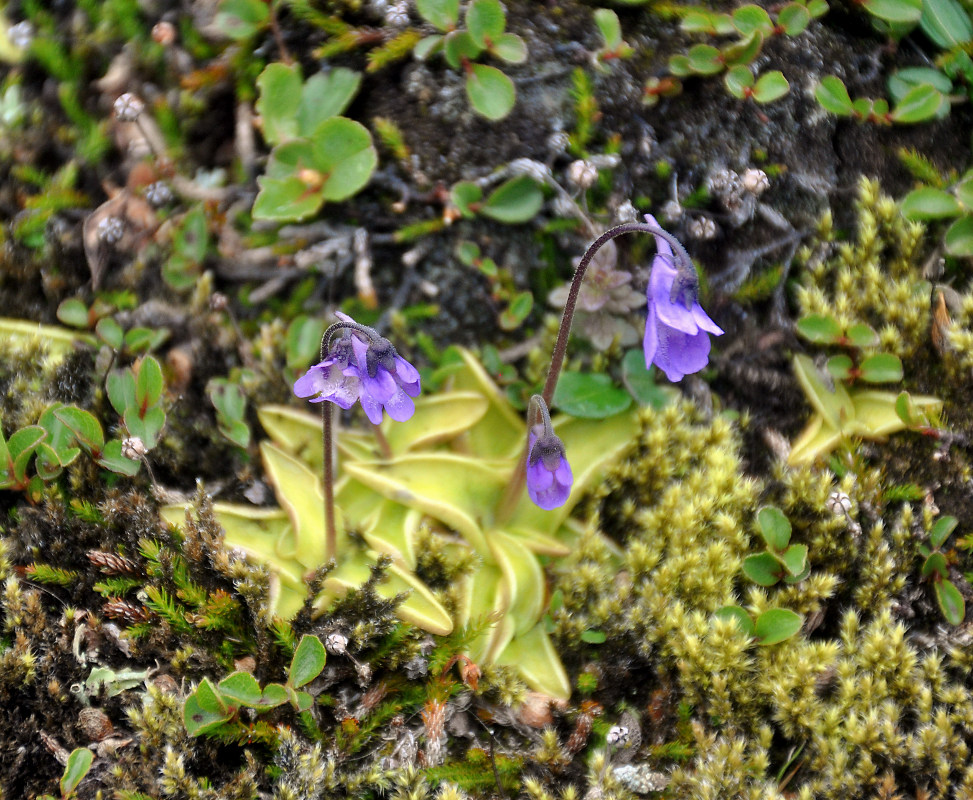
(383,443)
(330,532)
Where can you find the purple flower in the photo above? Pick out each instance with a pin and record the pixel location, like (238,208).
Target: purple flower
(549,475)
(362,366)
(677,329)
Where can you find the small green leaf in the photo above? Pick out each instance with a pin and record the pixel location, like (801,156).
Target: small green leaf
(750,19)
(280,98)
(840,367)
(819,329)
(21,447)
(794,559)
(704,59)
(881,368)
(901,81)
(241,19)
(490,92)
(204,710)
(929,203)
(459,47)
(443,14)
(739,615)
(610,28)
(833,96)
(464,195)
(517,200)
(935,564)
(113,460)
(776,625)
(274,695)
(149,383)
(817,8)
(84,426)
(941,530)
(738,80)
(242,687)
(510,48)
(950,601)
(110,332)
(516,312)
(284,199)
(73,312)
(325,95)
(744,51)
(770,86)
(485,21)
(959,237)
(309,659)
(593,637)
(590,396)
(301,701)
(774,526)
(344,152)
(946,23)
(901,11)
(862,335)
(762,568)
(964,192)
(794,19)
(919,104)
(79,762)
(427,47)
(679,66)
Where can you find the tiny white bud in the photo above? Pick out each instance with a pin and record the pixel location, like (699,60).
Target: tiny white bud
(397,15)
(111,230)
(756,181)
(702,228)
(128,107)
(158,193)
(21,34)
(582,174)
(724,183)
(671,210)
(336,643)
(617,734)
(838,503)
(133,447)
(558,142)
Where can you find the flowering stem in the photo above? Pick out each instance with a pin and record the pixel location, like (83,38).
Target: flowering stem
(512,492)
(330,532)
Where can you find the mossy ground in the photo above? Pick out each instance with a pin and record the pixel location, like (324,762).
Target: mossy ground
(872,699)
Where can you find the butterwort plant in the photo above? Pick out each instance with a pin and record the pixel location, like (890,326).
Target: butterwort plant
(677,331)
(357,365)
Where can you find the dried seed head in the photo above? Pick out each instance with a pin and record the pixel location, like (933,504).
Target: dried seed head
(756,181)
(111,229)
(582,174)
(397,14)
(724,183)
(617,735)
(838,503)
(133,447)
(336,643)
(128,107)
(158,193)
(94,724)
(702,228)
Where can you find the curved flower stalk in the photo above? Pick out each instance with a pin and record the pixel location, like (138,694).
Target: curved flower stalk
(549,475)
(676,329)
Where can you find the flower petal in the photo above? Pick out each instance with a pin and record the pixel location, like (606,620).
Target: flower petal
(400,406)
(704,322)
(372,408)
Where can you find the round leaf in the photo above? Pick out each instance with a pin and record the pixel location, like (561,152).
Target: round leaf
(959,237)
(862,335)
(79,762)
(946,23)
(833,96)
(280,98)
(344,152)
(929,203)
(441,13)
(881,368)
(795,559)
(485,21)
(819,329)
(325,95)
(941,530)
(458,47)
(704,59)
(770,86)
(919,104)
(743,619)
(516,200)
(309,659)
(762,568)
(737,80)
(73,312)
(491,93)
(950,601)
(903,11)
(511,48)
(751,18)
(840,367)
(794,19)
(935,564)
(465,194)
(776,625)
(590,396)
(611,30)
(774,526)
(964,193)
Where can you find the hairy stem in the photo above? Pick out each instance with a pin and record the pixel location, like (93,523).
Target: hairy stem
(330,532)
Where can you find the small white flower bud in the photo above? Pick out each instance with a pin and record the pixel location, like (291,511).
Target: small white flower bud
(336,643)
(158,193)
(626,212)
(756,181)
(558,142)
(671,210)
(21,34)
(617,735)
(702,228)
(838,503)
(397,14)
(111,230)
(724,183)
(128,107)
(133,448)
(582,174)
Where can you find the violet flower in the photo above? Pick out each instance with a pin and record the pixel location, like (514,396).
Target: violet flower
(677,329)
(362,366)
(548,474)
